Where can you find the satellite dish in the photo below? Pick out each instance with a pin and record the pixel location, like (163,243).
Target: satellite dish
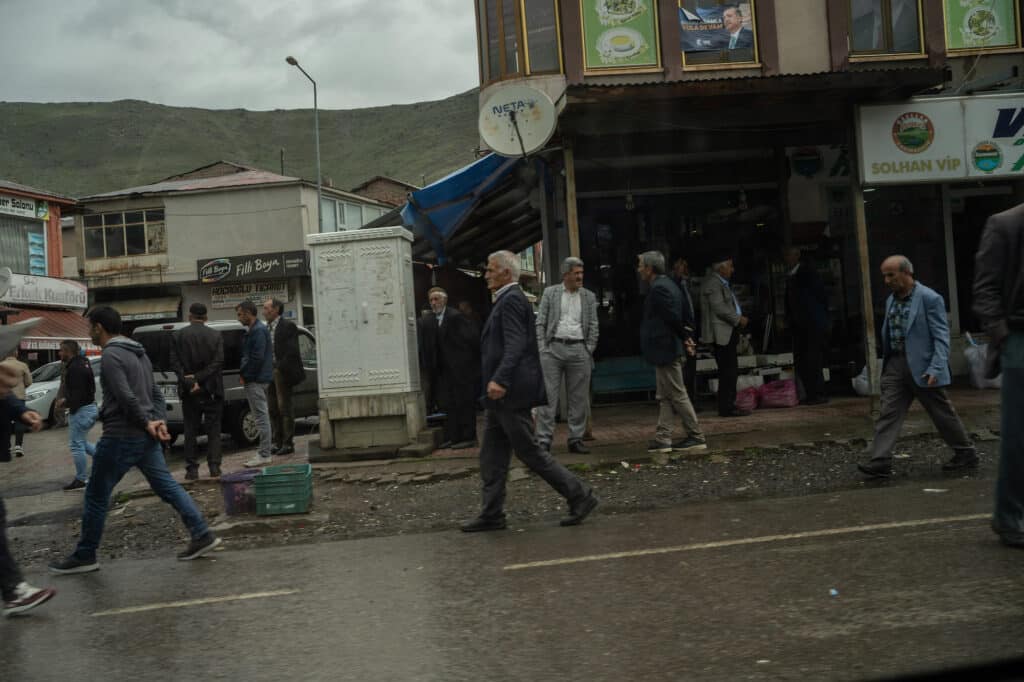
(517,120)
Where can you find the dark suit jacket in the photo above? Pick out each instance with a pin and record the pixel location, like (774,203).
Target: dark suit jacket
(457,348)
(745,39)
(806,301)
(686,312)
(509,355)
(287,358)
(198,350)
(662,329)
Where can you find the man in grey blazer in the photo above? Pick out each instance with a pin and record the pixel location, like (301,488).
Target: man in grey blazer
(567,331)
(915,345)
(721,320)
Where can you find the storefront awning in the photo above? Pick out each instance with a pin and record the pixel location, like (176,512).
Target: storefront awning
(148,308)
(56,326)
(436,212)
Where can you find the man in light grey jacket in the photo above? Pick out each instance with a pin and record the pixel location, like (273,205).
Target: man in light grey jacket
(721,320)
(567,331)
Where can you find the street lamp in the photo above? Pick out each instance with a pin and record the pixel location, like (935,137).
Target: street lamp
(316,132)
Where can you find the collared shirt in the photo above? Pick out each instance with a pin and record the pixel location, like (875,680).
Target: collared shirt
(736,303)
(273,328)
(898,314)
(440,318)
(570,324)
(499,292)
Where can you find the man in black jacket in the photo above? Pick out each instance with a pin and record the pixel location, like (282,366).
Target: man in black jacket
(510,364)
(78,394)
(662,337)
(807,318)
(999,304)
(197,357)
(288,373)
(457,354)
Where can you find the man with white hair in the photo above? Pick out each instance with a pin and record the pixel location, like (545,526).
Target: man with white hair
(457,355)
(567,331)
(915,347)
(721,320)
(510,365)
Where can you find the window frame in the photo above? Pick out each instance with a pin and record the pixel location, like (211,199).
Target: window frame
(122,226)
(876,56)
(522,42)
(727,66)
(971,51)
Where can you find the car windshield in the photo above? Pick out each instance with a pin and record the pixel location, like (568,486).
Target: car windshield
(48,372)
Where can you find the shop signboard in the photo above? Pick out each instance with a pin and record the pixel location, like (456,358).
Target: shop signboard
(980,24)
(46,292)
(255,267)
(942,139)
(620,34)
(226,296)
(23,207)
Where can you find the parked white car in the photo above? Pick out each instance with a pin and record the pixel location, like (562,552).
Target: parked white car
(42,394)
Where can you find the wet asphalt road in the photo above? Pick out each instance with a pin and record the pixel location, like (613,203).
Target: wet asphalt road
(450,606)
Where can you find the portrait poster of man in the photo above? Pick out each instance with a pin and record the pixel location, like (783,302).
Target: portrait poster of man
(717,31)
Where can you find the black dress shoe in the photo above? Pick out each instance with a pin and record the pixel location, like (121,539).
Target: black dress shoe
(962,459)
(192,474)
(876,470)
(480,524)
(581,511)
(577,447)
(285,450)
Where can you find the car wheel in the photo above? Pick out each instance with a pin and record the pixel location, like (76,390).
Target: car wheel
(244,430)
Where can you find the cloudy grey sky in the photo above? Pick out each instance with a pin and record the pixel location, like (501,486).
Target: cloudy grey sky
(226,54)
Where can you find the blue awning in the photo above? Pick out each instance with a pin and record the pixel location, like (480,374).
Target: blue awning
(436,211)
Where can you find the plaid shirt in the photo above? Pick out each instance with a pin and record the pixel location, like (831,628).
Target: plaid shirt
(897,316)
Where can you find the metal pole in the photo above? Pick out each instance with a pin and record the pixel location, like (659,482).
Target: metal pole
(316,135)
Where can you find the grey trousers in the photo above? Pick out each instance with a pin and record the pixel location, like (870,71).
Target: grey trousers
(508,430)
(571,361)
(673,401)
(256,394)
(898,392)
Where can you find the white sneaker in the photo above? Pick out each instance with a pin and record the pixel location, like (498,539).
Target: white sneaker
(18,452)
(259,462)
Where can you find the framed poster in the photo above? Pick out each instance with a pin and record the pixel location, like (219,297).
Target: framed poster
(973,25)
(717,32)
(620,35)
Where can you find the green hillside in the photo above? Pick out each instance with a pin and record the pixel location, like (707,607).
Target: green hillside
(85,148)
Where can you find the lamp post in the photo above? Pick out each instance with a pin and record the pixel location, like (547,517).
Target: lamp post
(316,132)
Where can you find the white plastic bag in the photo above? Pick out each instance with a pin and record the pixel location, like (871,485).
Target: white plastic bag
(976,353)
(861,385)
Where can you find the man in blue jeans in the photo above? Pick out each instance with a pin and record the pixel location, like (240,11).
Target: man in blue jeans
(256,373)
(78,394)
(134,425)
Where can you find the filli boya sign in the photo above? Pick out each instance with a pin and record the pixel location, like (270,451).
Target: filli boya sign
(942,139)
(254,267)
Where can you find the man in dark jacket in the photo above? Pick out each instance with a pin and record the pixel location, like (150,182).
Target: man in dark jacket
(510,364)
(288,373)
(662,338)
(807,317)
(457,353)
(78,394)
(134,424)
(255,374)
(17,595)
(999,304)
(197,357)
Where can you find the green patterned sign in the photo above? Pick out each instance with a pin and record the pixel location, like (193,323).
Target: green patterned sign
(619,34)
(980,24)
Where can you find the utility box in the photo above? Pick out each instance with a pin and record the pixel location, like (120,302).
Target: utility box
(367,352)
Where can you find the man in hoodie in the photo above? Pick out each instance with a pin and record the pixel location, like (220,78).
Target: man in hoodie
(16,594)
(78,394)
(134,425)
(256,373)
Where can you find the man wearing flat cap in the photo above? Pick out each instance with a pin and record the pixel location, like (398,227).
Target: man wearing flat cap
(197,357)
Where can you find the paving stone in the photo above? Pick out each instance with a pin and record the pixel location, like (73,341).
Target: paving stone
(423,478)
(402,479)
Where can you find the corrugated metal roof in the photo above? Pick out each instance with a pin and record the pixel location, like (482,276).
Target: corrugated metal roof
(16,187)
(698,77)
(56,324)
(242,179)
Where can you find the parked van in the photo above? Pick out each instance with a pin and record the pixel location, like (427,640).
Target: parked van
(237,421)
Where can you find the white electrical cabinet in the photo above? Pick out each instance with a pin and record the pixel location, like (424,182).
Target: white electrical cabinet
(365,312)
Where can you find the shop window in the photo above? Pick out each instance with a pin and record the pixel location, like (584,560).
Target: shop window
(885,27)
(517,38)
(717,33)
(23,245)
(526,261)
(981,26)
(133,233)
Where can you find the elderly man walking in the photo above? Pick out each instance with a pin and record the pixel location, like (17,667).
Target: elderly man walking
(663,335)
(721,320)
(999,304)
(567,331)
(915,346)
(510,367)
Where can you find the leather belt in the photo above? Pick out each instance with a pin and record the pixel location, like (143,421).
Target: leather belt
(569,342)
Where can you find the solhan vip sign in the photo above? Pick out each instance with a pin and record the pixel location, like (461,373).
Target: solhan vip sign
(942,139)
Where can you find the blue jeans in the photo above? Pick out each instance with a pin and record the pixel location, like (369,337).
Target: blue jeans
(79,424)
(1009,511)
(113,458)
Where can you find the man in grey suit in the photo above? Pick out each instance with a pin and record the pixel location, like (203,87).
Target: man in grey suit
(567,332)
(915,345)
(721,320)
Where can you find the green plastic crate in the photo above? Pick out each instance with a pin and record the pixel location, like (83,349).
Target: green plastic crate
(284,489)
(284,473)
(293,504)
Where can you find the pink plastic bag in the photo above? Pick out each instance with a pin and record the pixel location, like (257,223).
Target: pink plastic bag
(747,399)
(779,394)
